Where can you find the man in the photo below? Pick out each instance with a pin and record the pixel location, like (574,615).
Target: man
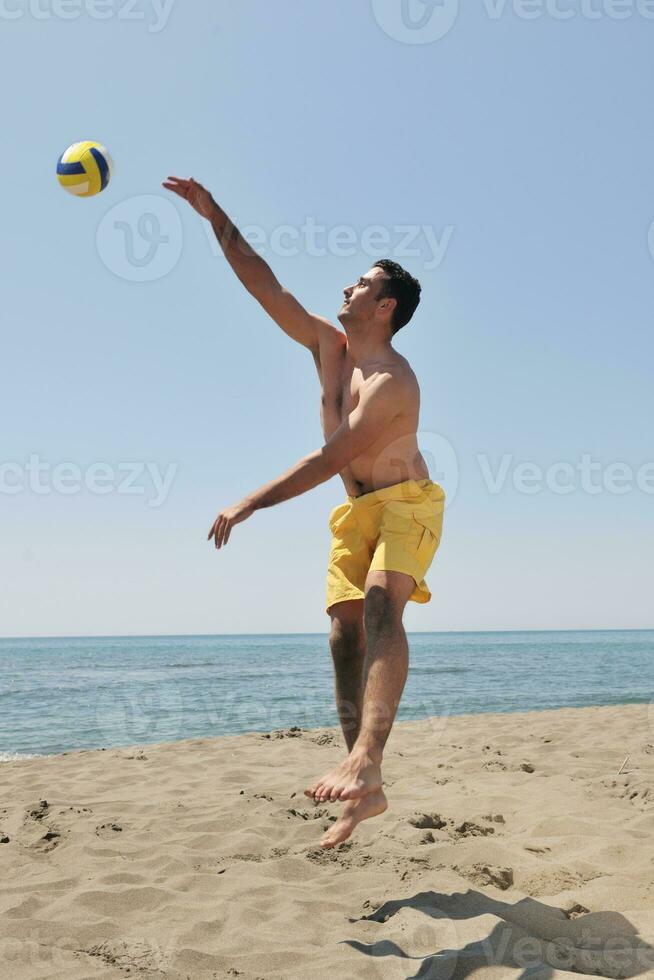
(386,534)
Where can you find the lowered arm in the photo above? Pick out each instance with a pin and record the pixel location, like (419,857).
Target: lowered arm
(380,402)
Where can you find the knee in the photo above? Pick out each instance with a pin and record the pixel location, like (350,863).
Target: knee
(346,640)
(381,613)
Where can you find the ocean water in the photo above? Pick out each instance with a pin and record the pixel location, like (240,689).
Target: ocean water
(62,694)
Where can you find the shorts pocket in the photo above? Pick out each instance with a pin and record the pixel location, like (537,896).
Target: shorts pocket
(432,524)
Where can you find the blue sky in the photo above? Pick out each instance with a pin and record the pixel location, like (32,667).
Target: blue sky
(523,147)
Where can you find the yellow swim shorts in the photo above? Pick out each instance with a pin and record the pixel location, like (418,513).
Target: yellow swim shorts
(395,529)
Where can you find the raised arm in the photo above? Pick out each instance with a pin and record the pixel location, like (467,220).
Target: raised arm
(254,272)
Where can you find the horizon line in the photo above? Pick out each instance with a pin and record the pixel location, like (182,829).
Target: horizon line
(155,636)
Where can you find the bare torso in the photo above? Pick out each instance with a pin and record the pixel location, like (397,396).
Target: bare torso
(395,456)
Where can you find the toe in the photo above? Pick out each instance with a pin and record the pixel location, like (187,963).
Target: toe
(339,833)
(332,839)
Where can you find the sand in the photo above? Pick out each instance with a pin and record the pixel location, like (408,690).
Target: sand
(512,848)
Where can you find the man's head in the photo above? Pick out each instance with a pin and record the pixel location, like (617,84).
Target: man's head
(387,295)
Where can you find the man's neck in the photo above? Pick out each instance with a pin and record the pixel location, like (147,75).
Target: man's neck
(367,350)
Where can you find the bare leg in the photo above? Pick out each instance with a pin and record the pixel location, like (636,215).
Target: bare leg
(385,670)
(347,642)
(387,665)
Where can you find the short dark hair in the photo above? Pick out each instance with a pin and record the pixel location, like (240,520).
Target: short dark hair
(403,288)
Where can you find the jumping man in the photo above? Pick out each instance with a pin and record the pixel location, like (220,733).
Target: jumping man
(385,535)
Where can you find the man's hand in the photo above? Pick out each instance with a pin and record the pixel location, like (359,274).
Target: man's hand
(196,195)
(313,332)
(223,524)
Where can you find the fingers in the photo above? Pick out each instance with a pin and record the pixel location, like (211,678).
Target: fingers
(220,530)
(176,189)
(178,185)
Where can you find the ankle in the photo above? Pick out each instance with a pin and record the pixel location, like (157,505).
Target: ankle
(373,752)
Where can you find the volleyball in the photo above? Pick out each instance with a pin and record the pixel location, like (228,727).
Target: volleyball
(84,169)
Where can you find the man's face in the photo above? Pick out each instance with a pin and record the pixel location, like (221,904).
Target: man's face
(362,298)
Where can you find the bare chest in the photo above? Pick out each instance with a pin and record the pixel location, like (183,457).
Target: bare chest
(340,394)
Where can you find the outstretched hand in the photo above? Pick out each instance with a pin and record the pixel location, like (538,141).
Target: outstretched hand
(196,195)
(223,524)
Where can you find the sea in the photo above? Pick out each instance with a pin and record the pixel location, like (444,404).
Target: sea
(58,695)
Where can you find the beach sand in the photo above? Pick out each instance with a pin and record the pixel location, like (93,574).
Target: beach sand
(510,841)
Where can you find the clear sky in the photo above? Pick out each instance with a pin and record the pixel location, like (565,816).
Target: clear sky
(507,163)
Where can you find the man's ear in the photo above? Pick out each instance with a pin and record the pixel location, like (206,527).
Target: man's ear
(387,306)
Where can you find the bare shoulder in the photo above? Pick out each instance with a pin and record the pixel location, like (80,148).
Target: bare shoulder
(403,370)
(331,348)
(397,379)
(329,335)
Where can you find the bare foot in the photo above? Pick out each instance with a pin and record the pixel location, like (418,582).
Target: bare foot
(353,813)
(358,776)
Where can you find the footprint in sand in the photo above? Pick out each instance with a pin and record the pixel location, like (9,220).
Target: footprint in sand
(325,738)
(428,821)
(575,911)
(471,829)
(41,835)
(106,830)
(494,765)
(133,954)
(320,813)
(38,812)
(293,732)
(486,874)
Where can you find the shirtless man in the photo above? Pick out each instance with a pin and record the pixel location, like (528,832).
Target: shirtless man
(386,534)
